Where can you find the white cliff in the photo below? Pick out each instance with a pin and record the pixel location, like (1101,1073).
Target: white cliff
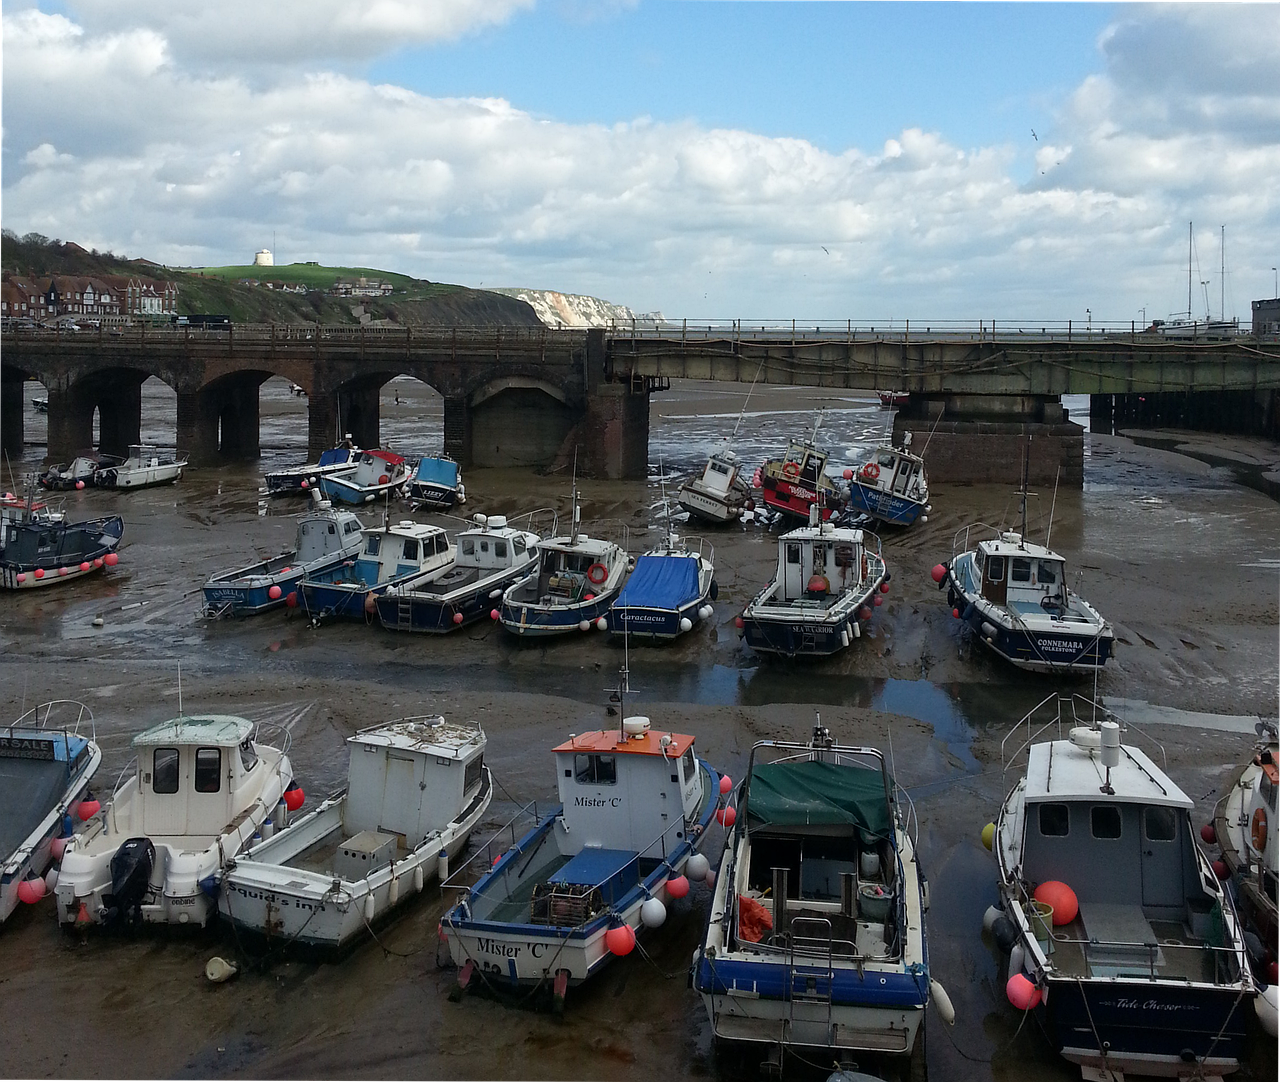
(572,310)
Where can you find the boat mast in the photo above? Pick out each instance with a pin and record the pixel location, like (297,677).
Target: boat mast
(1190,310)
(1026,465)
(1222,276)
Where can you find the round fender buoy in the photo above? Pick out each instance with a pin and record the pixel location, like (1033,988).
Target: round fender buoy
(653,913)
(87,809)
(22,576)
(304,483)
(383,479)
(988,836)
(1021,992)
(989,918)
(64,571)
(878,600)
(370,602)
(739,622)
(588,597)
(111,559)
(711,879)
(678,886)
(938,573)
(726,783)
(85,565)
(97,561)
(1061,897)
(1208,835)
(848,474)
(584,625)
(39,572)
(620,940)
(697,866)
(31,891)
(1004,933)
(57,847)
(457,617)
(686,624)
(726,816)
(864,613)
(291,599)
(1221,870)
(955,613)
(285,570)
(79,486)
(943,1002)
(602,624)
(1264,1005)
(275,593)
(294,797)
(494,614)
(884,587)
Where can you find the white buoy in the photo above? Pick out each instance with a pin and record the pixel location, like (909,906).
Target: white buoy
(924,519)
(419,878)
(368,906)
(653,913)
(943,1002)
(696,867)
(1264,1006)
(1017,956)
(97,621)
(442,865)
(495,593)
(51,880)
(685,623)
(393,891)
(989,918)
(602,624)
(219,970)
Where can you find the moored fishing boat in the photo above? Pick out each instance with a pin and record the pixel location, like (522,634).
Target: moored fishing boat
(38,547)
(893,399)
(891,486)
(46,763)
(416,788)
(486,560)
(816,940)
(79,473)
(325,539)
(203,786)
(392,553)
(375,474)
(571,894)
(144,467)
(719,493)
(798,481)
(436,481)
(1120,935)
(297,479)
(827,583)
(670,590)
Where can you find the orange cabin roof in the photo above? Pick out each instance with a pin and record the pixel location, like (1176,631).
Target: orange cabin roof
(613,742)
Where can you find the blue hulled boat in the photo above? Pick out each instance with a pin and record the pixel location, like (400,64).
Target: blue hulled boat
(297,479)
(487,559)
(375,473)
(891,486)
(816,939)
(437,482)
(325,539)
(391,555)
(670,590)
(46,762)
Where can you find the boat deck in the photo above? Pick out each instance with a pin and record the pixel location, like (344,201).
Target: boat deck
(1119,941)
(29,790)
(514,908)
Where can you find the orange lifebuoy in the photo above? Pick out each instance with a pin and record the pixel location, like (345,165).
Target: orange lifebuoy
(597,573)
(1258,829)
(791,470)
(870,471)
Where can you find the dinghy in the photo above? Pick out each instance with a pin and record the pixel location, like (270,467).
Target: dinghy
(1121,937)
(203,786)
(326,538)
(47,758)
(416,789)
(816,940)
(486,560)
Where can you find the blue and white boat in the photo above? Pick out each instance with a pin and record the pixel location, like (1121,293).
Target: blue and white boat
(375,474)
(298,479)
(392,553)
(437,482)
(487,559)
(891,486)
(570,895)
(47,758)
(670,590)
(325,539)
(576,581)
(816,940)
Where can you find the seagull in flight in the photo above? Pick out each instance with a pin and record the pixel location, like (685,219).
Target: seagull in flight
(1034,135)
(824,248)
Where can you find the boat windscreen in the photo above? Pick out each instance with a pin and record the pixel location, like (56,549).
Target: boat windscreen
(437,470)
(335,456)
(819,794)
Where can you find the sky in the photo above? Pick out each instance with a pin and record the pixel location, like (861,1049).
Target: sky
(753,160)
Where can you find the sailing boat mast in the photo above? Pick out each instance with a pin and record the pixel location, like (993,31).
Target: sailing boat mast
(1222,276)
(1190,310)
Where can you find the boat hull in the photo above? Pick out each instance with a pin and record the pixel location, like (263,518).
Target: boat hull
(884,506)
(344,491)
(99,538)
(640,622)
(536,621)
(1232,824)
(432,495)
(138,477)
(343,600)
(791,499)
(710,507)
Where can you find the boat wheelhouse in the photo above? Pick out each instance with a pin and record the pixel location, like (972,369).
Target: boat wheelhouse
(720,493)
(891,486)
(1014,595)
(798,481)
(203,786)
(569,895)
(38,547)
(299,479)
(670,590)
(145,466)
(416,788)
(487,559)
(1125,942)
(437,482)
(47,758)
(816,938)
(325,539)
(828,580)
(391,554)
(375,473)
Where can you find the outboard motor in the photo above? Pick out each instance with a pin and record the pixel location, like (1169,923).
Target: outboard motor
(130,882)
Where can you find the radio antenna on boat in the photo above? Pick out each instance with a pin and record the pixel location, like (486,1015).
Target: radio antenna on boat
(1026,467)
(1054,503)
(934,429)
(180,715)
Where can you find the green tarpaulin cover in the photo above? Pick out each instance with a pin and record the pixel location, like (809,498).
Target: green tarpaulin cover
(819,794)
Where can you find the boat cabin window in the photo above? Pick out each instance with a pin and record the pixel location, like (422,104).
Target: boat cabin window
(351,527)
(888,461)
(500,549)
(595,769)
(844,555)
(208,770)
(473,773)
(717,467)
(1048,573)
(331,529)
(468,546)
(410,548)
(1104,820)
(809,471)
(442,543)
(1159,824)
(248,755)
(517,543)
(164,772)
(372,544)
(1055,820)
(995,568)
(688,764)
(793,553)
(1021,570)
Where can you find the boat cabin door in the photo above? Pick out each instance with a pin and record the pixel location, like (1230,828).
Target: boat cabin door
(164,785)
(1162,838)
(793,577)
(995,579)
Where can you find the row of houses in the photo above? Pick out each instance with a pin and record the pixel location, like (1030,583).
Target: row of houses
(361,287)
(101,297)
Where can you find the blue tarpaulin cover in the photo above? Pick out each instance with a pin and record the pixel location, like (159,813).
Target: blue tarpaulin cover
(437,471)
(660,582)
(335,457)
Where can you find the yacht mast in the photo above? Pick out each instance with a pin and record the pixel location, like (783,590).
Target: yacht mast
(1190,310)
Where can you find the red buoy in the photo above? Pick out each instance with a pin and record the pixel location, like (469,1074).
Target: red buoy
(291,599)
(494,614)
(22,576)
(1221,870)
(87,809)
(57,846)
(79,486)
(738,622)
(726,783)
(275,593)
(97,561)
(1022,993)
(111,559)
(85,565)
(457,617)
(39,572)
(726,817)
(31,890)
(884,587)
(294,797)
(939,572)
(848,474)
(64,571)
(383,479)
(955,613)
(620,940)
(878,600)
(1061,897)
(304,484)
(678,886)
(1208,835)
(864,613)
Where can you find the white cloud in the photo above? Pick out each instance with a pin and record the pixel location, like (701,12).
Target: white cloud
(155,159)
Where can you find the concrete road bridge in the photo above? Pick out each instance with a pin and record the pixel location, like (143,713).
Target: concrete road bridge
(537,395)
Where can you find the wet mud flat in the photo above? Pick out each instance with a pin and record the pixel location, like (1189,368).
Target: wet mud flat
(1180,559)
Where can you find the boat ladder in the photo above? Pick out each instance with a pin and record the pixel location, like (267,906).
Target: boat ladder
(811,979)
(404,614)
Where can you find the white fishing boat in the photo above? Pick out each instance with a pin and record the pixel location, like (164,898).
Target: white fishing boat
(145,466)
(1120,935)
(816,940)
(47,758)
(202,787)
(720,493)
(416,789)
(828,581)
(77,474)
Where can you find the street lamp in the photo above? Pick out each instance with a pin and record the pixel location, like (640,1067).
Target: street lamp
(1088,320)
(1275,285)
